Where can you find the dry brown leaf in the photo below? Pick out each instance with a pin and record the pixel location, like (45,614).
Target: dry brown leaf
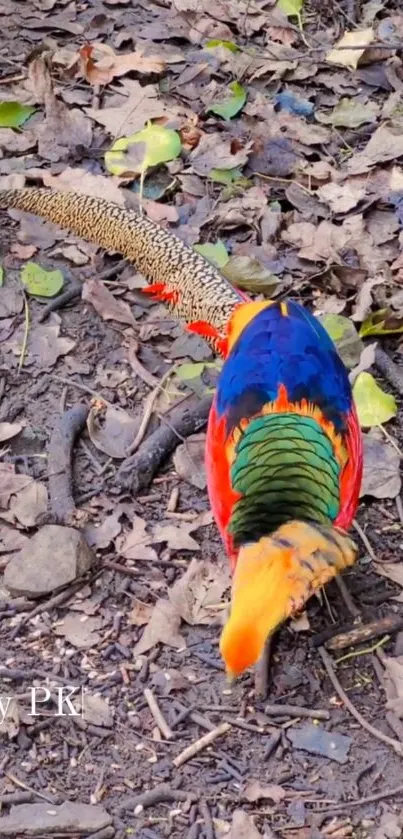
(140,613)
(381,477)
(135,545)
(243,827)
(111,430)
(364,300)
(105,304)
(80,631)
(132,108)
(384,145)
(11,300)
(10,483)
(163,628)
(100,65)
(393,683)
(392,571)
(44,344)
(213,153)
(189,460)
(30,504)
(11,539)
(96,711)
(62,130)
(78,180)
(350,57)
(177,537)
(102,536)
(9,430)
(256,790)
(197,595)
(342,197)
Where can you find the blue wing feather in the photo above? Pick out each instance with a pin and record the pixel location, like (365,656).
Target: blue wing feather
(291,349)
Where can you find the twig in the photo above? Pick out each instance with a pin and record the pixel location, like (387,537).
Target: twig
(121,569)
(148,409)
(327,661)
(361,634)
(272,744)
(162,793)
(24,786)
(358,802)
(60,451)
(137,471)
(58,302)
(348,600)
(46,606)
(399,507)
(138,368)
(296,711)
(262,671)
(387,367)
(157,714)
(26,331)
(80,386)
(16,798)
(198,746)
(208,822)
(366,651)
(365,540)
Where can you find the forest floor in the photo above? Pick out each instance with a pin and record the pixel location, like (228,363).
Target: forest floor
(304,190)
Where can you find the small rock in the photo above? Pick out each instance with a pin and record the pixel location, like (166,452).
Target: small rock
(70,818)
(53,558)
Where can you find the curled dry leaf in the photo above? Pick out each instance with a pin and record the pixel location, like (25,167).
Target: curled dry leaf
(140,613)
(101,537)
(105,304)
(198,594)
(381,478)
(163,628)
(45,345)
(135,545)
(100,65)
(30,504)
(340,54)
(177,536)
(111,430)
(256,791)
(243,827)
(9,430)
(189,460)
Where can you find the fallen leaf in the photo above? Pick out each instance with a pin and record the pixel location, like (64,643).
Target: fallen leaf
(177,537)
(256,791)
(9,430)
(30,504)
(197,595)
(341,197)
(135,154)
(393,684)
(214,252)
(383,322)
(350,113)
(189,460)
(78,180)
(367,359)
(102,536)
(45,345)
(106,304)
(340,54)
(80,631)
(10,483)
(11,300)
(381,477)
(384,145)
(231,103)
(249,274)
(243,827)
(345,336)
(135,544)
(62,130)
(96,711)
(212,153)
(363,301)
(111,430)
(373,405)
(14,114)
(391,571)
(38,281)
(10,718)
(136,105)
(140,613)
(163,628)
(100,64)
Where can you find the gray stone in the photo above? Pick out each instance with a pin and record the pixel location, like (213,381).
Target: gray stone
(53,558)
(70,818)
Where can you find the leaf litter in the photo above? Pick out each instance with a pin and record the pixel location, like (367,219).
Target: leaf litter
(315,109)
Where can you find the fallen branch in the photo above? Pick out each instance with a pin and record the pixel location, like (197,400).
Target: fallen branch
(361,634)
(327,661)
(391,371)
(202,743)
(158,795)
(157,714)
(296,711)
(137,471)
(60,475)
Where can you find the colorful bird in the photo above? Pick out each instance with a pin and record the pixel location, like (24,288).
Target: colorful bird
(284,464)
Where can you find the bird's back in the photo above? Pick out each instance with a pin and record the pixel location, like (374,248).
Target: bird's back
(284,416)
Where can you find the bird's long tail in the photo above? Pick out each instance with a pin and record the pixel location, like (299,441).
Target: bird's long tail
(190,286)
(273,580)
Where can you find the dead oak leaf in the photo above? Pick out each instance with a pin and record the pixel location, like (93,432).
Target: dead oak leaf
(62,130)
(99,63)
(178,536)
(111,430)
(106,304)
(213,153)
(189,460)
(30,504)
(136,543)
(197,595)
(341,197)
(80,630)
(45,345)
(132,108)
(78,180)
(384,145)
(163,628)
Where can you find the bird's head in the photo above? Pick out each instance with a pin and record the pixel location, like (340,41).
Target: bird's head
(260,602)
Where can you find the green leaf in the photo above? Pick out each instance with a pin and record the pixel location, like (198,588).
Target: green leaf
(1,275)
(350,113)
(383,322)
(14,114)
(231,105)
(290,7)
(250,274)
(38,281)
(201,376)
(374,406)
(226,176)
(216,253)
(344,334)
(135,154)
(218,42)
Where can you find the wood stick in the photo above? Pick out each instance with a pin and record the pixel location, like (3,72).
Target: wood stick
(296,711)
(361,634)
(202,743)
(157,714)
